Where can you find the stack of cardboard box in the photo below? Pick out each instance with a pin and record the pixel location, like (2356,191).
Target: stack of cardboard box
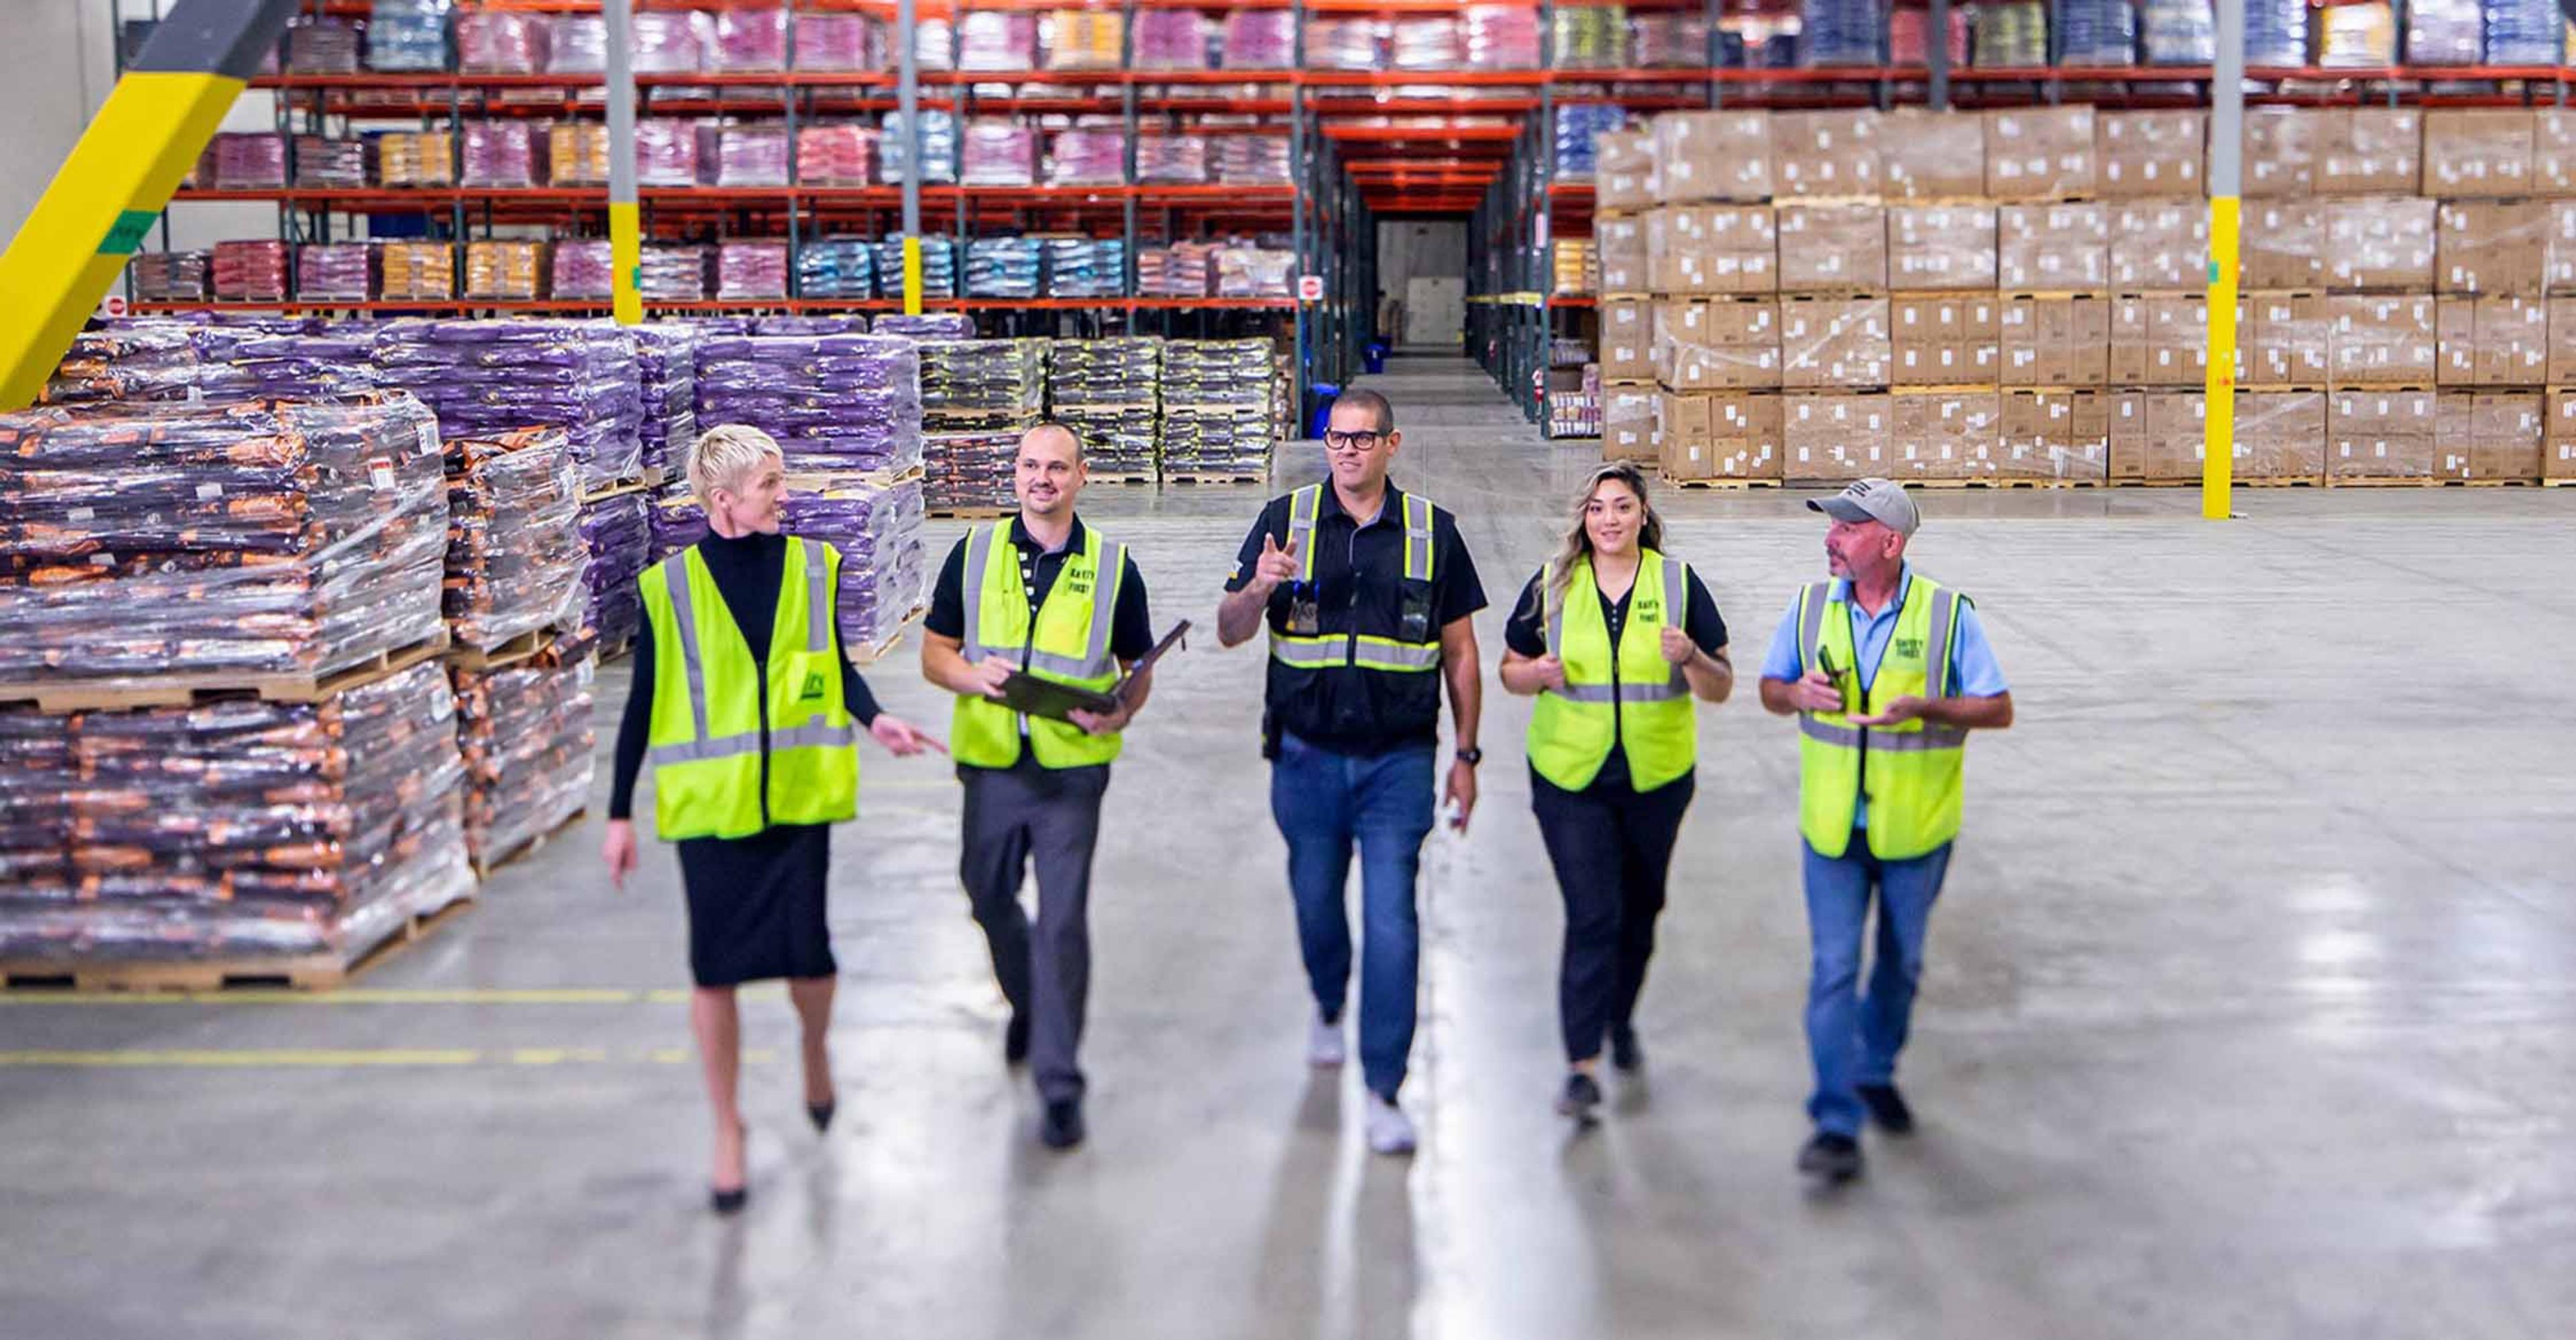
(1814,295)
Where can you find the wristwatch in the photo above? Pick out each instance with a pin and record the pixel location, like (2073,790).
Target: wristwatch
(1471,757)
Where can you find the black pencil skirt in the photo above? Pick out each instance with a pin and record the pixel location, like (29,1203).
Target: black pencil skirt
(756,905)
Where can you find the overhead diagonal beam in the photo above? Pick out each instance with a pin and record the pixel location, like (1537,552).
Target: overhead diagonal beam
(119,177)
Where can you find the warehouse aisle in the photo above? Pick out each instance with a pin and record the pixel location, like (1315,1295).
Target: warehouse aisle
(2268,883)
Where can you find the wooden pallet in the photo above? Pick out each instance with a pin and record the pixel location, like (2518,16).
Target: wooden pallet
(1127,479)
(883,647)
(652,478)
(2051,294)
(2556,483)
(184,690)
(1722,483)
(524,647)
(1942,388)
(2003,482)
(529,846)
(969,513)
(2375,482)
(1213,479)
(613,651)
(307,972)
(2244,482)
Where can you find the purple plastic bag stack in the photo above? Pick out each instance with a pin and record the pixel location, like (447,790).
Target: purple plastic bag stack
(336,272)
(666,152)
(749,40)
(501,153)
(169,276)
(666,362)
(927,326)
(750,270)
(838,43)
(330,163)
(844,323)
(673,274)
(489,42)
(1259,39)
(581,269)
(164,358)
(1252,160)
(1172,159)
(580,45)
(1087,158)
(249,161)
(322,46)
(618,533)
(996,152)
(482,377)
(671,41)
(843,404)
(753,155)
(1171,39)
(993,40)
(876,526)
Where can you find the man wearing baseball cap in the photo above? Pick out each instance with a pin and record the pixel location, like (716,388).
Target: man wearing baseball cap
(1887,671)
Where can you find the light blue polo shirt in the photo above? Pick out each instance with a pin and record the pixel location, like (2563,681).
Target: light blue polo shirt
(1973,672)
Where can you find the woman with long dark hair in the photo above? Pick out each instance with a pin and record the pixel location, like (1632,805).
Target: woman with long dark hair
(1616,640)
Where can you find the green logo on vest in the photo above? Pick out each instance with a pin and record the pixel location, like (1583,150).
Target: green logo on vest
(1911,648)
(813,687)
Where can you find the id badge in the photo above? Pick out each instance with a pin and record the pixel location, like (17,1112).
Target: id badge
(1305,612)
(1417,612)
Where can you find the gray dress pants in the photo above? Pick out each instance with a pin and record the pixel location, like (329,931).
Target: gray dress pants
(1017,816)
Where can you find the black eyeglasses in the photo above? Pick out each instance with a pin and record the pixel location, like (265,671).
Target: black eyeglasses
(1361,440)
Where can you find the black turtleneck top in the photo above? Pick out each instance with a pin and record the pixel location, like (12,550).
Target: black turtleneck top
(747,572)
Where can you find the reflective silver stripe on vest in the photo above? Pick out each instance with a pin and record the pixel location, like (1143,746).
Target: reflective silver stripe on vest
(1385,653)
(1104,610)
(1883,740)
(1303,506)
(1555,612)
(700,751)
(1936,648)
(979,553)
(1310,653)
(1676,615)
(818,598)
(1811,623)
(1417,539)
(815,735)
(675,575)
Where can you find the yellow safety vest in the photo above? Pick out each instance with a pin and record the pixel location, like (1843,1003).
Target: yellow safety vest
(1360,650)
(1627,694)
(712,703)
(1912,772)
(1068,643)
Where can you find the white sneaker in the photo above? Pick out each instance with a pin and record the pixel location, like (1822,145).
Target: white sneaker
(1389,1130)
(1324,1044)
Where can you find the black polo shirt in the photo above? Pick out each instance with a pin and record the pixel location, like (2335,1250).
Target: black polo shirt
(1358,586)
(1131,626)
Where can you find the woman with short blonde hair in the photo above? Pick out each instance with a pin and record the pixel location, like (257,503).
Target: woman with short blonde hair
(748,707)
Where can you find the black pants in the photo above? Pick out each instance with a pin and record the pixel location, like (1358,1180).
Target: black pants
(1017,817)
(1611,848)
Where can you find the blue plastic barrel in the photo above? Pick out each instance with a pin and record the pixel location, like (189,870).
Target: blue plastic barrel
(1374,357)
(1325,394)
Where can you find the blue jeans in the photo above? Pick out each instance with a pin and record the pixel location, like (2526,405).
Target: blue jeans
(1324,801)
(1854,1039)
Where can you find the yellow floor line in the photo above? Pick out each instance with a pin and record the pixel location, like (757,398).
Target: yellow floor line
(383,996)
(307,1058)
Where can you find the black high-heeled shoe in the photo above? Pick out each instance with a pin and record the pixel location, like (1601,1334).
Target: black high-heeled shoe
(729,1202)
(821,1113)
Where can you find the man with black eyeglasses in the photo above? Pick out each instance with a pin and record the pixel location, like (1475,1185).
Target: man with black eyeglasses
(1367,592)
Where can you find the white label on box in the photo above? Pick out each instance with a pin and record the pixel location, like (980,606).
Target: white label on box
(209,492)
(91,513)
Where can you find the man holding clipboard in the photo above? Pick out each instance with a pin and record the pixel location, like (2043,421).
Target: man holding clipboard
(1030,620)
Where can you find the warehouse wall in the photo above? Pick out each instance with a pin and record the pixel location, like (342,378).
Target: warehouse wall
(1409,249)
(57,68)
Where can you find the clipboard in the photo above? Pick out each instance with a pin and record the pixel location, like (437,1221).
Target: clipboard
(1024,692)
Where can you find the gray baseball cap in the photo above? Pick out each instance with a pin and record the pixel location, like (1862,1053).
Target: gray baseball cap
(1881,500)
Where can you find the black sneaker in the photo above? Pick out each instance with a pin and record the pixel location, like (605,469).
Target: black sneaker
(1582,1094)
(1887,1108)
(1015,1039)
(1625,1054)
(1836,1158)
(1061,1128)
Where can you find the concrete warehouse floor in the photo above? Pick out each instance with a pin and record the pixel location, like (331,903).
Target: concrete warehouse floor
(2251,1008)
